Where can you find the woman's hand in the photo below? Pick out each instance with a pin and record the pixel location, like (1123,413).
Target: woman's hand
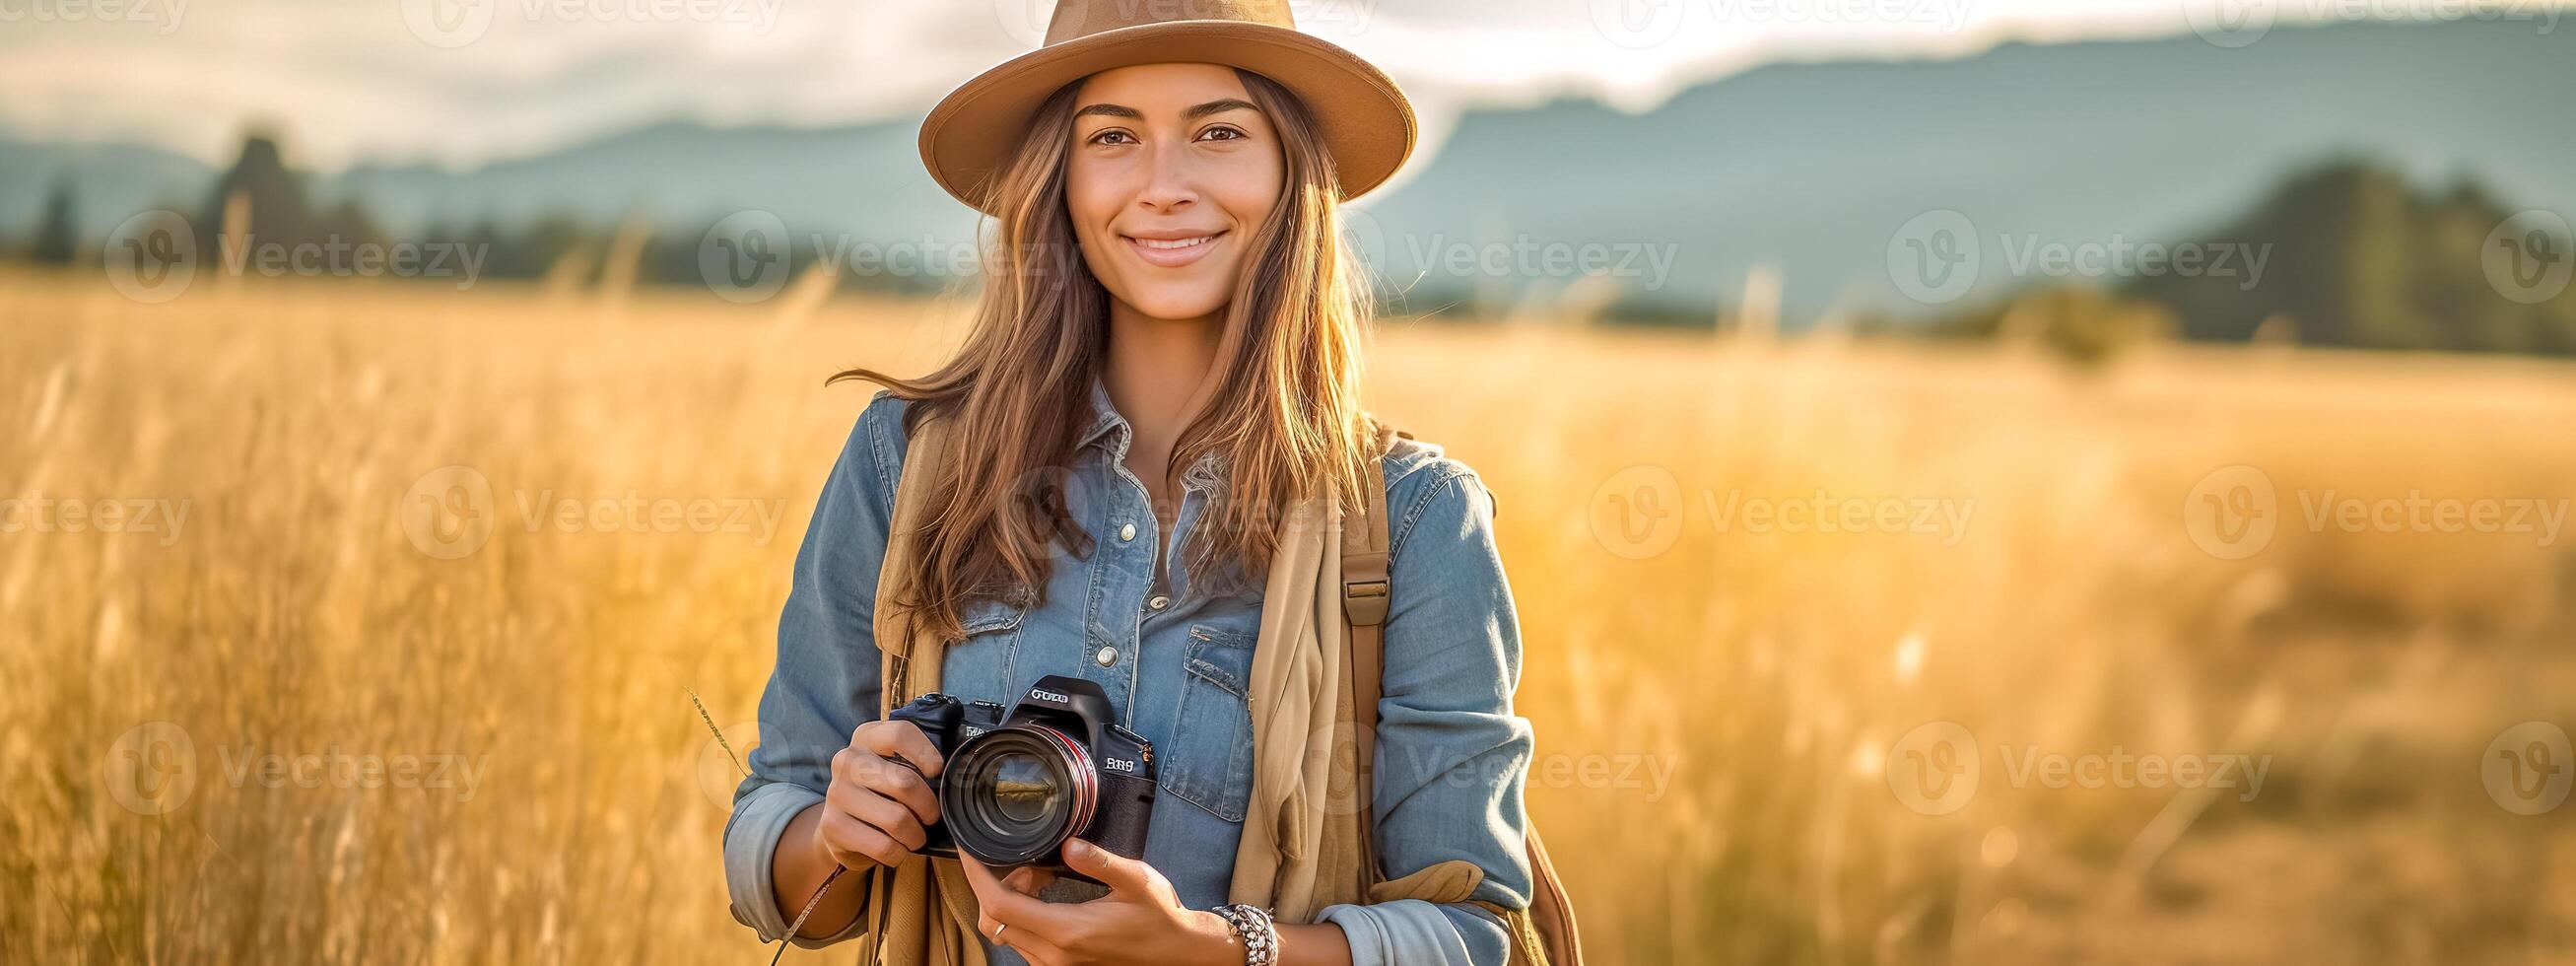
(877,810)
(1139,921)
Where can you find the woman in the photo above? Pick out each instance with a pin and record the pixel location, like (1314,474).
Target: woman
(1166,356)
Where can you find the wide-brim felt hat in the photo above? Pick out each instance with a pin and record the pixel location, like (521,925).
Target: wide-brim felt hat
(1367,125)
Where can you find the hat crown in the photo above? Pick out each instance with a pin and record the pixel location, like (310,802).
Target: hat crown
(1082,18)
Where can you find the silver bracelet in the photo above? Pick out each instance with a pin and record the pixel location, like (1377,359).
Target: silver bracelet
(1253,926)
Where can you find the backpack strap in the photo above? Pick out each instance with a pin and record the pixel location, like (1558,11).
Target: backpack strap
(1364,600)
(1545,934)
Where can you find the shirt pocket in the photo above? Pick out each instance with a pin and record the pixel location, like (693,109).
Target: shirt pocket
(1210,764)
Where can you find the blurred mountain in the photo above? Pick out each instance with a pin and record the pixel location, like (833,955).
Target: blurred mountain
(1810,167)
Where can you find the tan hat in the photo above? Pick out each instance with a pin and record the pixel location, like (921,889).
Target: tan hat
(1367,125)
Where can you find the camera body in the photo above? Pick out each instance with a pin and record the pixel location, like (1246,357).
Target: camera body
(1016,784)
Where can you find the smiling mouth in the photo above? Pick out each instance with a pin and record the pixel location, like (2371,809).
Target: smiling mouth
(1172,252)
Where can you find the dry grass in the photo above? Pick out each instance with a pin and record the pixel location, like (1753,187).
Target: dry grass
(1764,675)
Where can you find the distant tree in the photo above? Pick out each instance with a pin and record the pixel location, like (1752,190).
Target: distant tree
(2355,257)
(278,211)
(57,233)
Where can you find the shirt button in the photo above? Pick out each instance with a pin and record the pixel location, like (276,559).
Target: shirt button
(1108,656)
(1126,533)
(1158,602)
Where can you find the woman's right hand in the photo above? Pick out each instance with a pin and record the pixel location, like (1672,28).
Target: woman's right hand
(878,810)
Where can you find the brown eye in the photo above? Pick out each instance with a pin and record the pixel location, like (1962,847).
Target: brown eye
(1105,137)
(1231,134)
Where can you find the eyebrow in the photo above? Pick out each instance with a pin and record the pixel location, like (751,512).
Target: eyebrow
(1203,110)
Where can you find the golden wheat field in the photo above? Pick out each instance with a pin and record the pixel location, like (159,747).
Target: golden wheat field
(356,623)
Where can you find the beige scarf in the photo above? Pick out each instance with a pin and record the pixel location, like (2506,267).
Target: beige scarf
(1302,847)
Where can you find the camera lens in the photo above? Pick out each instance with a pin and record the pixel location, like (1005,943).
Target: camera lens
(1014,794)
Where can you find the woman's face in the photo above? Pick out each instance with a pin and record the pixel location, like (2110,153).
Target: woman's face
(1172,169)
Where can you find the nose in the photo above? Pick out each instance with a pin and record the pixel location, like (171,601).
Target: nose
(1170,182)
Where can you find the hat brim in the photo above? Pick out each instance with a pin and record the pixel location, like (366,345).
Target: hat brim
(1367,124)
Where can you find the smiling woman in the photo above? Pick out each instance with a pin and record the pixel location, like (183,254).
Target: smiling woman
(1161,187)
(1107,483)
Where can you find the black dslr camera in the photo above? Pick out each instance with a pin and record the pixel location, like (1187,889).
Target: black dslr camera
(1015,787)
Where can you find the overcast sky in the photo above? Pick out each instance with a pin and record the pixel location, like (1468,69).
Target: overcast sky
(459,82)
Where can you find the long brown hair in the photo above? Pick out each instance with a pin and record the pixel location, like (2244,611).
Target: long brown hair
(1284,413)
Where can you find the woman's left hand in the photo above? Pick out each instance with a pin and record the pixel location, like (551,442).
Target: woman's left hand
(1140,921)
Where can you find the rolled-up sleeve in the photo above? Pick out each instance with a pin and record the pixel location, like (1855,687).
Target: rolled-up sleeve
(827,677)
(1451,754)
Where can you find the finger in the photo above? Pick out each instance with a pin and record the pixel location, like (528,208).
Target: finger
(864,769)
(899,739)
(885,814)
(1022,912)
(1028,879)
(857,845)
(1032,947)
(1118,872)
(907,786)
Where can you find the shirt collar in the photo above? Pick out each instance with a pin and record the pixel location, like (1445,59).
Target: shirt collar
(1104,415)
(1208,473)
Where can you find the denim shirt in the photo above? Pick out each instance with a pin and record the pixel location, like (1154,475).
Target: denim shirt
(1176,660)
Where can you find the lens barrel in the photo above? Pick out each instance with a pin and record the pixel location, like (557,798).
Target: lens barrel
(1012,795)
